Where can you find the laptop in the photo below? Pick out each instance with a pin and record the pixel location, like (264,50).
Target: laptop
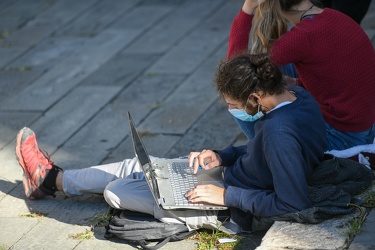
(170,179)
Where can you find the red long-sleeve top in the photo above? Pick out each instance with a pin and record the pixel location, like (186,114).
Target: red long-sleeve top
(335,61)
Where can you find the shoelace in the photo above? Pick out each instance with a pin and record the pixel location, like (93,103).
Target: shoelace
(42,154)
(46,155)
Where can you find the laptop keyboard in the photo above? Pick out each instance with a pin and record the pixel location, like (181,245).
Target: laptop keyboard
(182,179)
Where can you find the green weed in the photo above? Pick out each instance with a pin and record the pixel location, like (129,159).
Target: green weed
(208,240)
(145,133)
(156,105)
(355,224)
(5,34)
(18,69)
(82,236)
(369,198)
(39,216)
(100,220)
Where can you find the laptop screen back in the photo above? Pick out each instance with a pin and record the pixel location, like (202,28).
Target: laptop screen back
(144,159)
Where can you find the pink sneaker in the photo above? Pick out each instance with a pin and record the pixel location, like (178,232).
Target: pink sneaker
(35,164)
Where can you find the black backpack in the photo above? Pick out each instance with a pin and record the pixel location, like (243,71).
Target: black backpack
(142,229)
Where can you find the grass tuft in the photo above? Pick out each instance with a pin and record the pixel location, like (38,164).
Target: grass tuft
(39,216)
(354,225)
(209,239)
(82,236)
(101,219)
(5,34)
(18,69)
(156,105)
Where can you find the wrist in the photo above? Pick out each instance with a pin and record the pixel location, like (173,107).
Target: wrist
(248,9)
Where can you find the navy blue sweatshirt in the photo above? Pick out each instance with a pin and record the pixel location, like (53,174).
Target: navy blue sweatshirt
(267,177)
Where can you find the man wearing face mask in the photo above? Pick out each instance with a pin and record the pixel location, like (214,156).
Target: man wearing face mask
(265,178)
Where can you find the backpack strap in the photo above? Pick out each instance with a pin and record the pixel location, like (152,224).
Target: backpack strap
(176,237)
(182,236)
(144,244)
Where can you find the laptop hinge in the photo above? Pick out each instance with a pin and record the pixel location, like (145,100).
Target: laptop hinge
(161,200)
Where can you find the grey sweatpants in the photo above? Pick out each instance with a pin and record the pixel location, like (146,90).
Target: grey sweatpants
(124,187)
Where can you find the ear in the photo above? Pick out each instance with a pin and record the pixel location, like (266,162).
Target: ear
(254,97)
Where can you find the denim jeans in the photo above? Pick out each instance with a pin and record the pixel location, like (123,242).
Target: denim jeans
(338,140)
(248,127)
(289,70)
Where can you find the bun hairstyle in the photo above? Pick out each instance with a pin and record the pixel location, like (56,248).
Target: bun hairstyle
(248,73)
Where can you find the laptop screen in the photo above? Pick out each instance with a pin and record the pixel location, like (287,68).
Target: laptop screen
(143,159)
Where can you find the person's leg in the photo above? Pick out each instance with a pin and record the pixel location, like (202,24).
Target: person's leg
(338,140)
(42,177)
(289,70)
(95,179)
(122,184)
(246,127)
(133,193)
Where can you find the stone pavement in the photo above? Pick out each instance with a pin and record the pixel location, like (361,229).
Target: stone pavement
(71,70)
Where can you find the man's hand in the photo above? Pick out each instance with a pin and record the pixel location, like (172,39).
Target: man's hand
(250,5)
(206,194)
(207,159)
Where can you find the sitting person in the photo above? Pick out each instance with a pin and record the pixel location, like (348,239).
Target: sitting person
(332,54)
(289,142)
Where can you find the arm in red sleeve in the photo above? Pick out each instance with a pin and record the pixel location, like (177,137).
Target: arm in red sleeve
(239,34)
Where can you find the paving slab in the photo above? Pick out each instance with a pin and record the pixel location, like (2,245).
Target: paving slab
(8,53)
(71,70)
(167,33)
(60,13)
(5,4)
(28,37)
(134,22)
(110,126)
(10,172)
(48,53)
(15,16)
(49,233)
(15,79)
(199,44)
(191,98)
(326,235)
(121,70)
(13,229)
(97,19)
(12,122)
(67,74)
(77,108)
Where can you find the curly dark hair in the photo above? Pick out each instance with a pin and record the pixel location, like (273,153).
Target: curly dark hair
(246,73)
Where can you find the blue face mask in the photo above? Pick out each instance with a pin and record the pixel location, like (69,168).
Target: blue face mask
(243,116)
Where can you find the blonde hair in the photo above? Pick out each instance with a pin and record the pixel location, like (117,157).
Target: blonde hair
(268,26)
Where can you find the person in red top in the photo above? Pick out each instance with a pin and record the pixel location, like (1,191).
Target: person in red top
(334,59)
